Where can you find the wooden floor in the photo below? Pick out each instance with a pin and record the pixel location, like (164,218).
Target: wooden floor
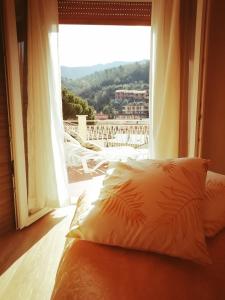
(29,258)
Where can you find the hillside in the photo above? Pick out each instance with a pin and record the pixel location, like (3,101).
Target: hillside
(79,72)
(99,88)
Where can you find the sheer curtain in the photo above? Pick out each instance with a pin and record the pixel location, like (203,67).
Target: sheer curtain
(165,78)
(47,177)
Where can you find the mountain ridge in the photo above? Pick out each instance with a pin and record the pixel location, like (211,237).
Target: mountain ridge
(82,71)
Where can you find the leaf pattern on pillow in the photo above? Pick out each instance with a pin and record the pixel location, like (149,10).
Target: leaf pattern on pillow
(125,203)
(181,201)
(202,248)
(167,166)
(211,227)
(192,182)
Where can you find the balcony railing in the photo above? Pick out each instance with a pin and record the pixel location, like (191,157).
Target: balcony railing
(112,133)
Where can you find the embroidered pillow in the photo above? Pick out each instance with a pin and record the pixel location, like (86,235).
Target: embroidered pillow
(214,204)
(150,205)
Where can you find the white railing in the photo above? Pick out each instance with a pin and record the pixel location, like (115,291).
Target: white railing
(111,133)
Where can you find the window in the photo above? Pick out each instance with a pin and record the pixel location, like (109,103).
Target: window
(113,14)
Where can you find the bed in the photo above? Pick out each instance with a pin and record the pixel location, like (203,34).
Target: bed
(90,270)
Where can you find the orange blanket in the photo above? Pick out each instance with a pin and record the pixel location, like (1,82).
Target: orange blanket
(92,271)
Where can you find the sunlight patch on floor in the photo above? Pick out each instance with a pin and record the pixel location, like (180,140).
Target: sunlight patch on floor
(32,275)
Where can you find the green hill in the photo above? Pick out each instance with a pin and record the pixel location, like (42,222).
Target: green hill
(99,88)
(79,72)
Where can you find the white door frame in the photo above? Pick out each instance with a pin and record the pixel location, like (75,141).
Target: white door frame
(16,119)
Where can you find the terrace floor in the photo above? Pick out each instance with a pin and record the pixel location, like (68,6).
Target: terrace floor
(79,181)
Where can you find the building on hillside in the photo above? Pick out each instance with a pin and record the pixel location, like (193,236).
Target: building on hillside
(132,95)
(135,110)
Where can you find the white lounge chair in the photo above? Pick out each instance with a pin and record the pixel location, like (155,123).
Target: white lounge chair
(77,155)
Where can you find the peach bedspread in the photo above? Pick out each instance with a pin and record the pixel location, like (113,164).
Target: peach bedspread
(93,271)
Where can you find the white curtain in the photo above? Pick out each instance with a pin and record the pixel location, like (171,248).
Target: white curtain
(165,78)
(47,177)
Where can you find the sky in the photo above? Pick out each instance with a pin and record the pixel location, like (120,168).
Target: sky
(87,45)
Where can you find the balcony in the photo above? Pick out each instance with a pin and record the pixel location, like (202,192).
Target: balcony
(112,136)
(112,133)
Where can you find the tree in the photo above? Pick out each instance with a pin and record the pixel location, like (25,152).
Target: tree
(74,105)
(100,87)
(109,110)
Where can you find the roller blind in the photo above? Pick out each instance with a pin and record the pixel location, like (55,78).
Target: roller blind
(104,12)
